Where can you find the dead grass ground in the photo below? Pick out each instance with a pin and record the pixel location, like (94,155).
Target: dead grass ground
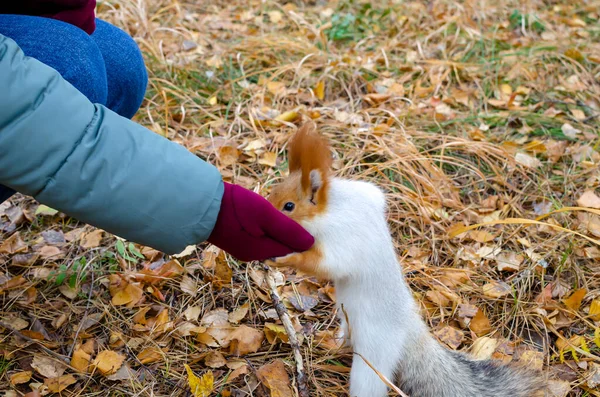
(465,112)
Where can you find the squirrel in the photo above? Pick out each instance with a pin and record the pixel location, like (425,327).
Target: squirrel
(378,314)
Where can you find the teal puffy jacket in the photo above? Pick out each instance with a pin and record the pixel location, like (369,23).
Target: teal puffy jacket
(92,164)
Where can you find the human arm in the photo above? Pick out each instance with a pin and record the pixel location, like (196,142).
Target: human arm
(110,172)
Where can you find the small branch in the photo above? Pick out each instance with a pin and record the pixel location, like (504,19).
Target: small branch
(289,329)
(38,343)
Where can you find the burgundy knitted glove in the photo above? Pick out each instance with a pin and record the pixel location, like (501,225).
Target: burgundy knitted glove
(250,228)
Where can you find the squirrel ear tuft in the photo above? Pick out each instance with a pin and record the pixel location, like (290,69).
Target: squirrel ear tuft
(316,180)
(308,151)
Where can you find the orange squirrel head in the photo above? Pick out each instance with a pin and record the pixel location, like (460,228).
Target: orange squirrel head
(304,193)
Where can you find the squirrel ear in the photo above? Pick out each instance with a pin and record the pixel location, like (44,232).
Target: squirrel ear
(316,180)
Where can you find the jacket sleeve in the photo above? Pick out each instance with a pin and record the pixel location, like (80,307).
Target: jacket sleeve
(96,166)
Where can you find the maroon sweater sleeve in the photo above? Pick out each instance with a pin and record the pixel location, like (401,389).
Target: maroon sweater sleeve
(80,13)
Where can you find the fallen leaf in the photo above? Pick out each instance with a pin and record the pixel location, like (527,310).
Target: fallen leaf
(228,155)
(20,377)
(189,250)
(91,239)
(13,245)
(45,210)
(275,16)
(239,313)
(57,385)
(509,261)
(189,285)
(573,302)
(268,159)
(124,373)
(15,322)
(48,367)
(569,130)
(320,90)
(51,252)
(589,199)
(532,359)
(130,294)
(480,324)
(527,160)
(67,291)
(595,310)
(288,117)
(483,348)
(192,313)
(481,236)
(200,387)
(245,340)
(223,274)
(81,360)
(108,362)
(276,379)
(276,332)
(496,289)
(150,355)
(450,336)
(215,359)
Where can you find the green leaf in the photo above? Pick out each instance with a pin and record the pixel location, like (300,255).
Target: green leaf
(135,251)
(121,248)
(45,210)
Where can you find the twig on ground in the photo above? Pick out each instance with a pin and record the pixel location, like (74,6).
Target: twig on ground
(38,343)
(289,329)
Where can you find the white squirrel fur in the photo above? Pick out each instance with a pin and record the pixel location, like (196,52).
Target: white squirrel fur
(384,322)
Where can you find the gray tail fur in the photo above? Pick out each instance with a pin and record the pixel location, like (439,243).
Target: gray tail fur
(441,372)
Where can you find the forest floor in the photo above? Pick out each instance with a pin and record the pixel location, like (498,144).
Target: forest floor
(480,120)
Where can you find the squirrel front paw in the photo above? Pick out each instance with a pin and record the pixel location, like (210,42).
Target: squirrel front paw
(309,262)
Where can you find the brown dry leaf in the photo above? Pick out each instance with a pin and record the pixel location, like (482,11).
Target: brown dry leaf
(192,313)
(48,367)
(239,313)
(483,348)
(215,359)
(589,199)
(20,377)
(450,336)
(223,274)
(509,261)
(81,360)
(108,362)
(276,379)
(92,239)
(13,245)
(150,355)
(276,87)
(74,234)
(57,385)
(481,236)
(532,359)
(51,252)
(15,322)
(480,324)
(241,370)
(67,291)
(228,155)
(132,293)
(573,302)
(496,289)
(527,160)
(189,285)
(245,340)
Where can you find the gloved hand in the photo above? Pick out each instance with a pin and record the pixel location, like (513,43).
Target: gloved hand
(250,228)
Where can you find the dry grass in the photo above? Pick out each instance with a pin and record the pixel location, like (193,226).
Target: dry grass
(456,109)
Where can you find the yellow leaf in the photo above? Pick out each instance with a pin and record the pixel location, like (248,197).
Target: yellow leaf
(480,324)
(108,362)
(212,100)
(573,302)
(81,360)
(595,310)
(597,337)
(290,116)
(496,289)
(320,90)
(275,332)
(20,377)
(269,158)
(200,387)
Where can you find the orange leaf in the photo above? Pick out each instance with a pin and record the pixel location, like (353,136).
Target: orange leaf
(573,302)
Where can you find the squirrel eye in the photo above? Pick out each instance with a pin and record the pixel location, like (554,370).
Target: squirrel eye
(289,206)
